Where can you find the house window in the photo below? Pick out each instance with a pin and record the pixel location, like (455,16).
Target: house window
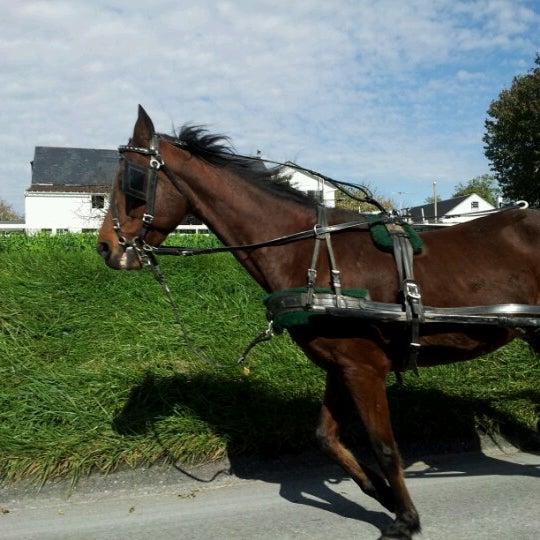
(474,205)
(98,201)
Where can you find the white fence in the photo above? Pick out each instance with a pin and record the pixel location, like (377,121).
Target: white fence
(21,227)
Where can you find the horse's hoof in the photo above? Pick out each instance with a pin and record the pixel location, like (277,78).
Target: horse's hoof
(401,537)
(403,527)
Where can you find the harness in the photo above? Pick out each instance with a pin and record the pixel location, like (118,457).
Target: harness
(313,300)
(286,308)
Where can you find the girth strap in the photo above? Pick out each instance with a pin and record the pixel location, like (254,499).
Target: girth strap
(410,290)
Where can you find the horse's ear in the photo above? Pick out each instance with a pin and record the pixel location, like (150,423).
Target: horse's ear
(144,128)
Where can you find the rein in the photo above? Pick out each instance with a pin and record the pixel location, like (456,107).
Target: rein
(318,230)
(154,268)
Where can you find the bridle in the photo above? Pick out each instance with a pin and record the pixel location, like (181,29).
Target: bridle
(140,183)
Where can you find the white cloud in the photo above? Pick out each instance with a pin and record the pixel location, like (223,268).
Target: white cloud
(389,92)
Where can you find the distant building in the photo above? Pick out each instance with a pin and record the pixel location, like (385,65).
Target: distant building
(70,189)
(311,184)
(450,211)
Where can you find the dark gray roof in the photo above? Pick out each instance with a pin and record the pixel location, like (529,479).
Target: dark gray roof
(443,207)
(73,167)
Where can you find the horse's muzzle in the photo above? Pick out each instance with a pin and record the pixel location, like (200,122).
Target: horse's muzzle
(121,258)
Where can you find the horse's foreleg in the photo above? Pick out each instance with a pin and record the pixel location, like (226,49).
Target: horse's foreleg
(369,481)
(368,390)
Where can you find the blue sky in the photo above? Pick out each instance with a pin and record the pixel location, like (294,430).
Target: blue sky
(386,93)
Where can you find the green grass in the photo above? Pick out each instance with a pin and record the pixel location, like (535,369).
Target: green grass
(95,373)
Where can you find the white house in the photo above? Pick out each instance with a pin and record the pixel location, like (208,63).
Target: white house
(70,189)
(311,184)
(450,211)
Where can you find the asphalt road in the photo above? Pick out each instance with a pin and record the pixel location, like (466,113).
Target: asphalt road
(481,496)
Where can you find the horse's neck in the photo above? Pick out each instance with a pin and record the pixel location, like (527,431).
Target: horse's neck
(240,213)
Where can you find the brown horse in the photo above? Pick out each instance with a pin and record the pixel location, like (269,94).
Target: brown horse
(492,260)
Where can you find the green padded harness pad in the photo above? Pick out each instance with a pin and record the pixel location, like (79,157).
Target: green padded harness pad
(383,238)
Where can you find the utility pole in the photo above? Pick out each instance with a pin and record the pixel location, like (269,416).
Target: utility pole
(435,200)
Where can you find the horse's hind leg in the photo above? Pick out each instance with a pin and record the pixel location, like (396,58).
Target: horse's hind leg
(332,412)
(368,390)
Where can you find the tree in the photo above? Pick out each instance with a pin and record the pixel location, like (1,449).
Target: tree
(512,139)
(485,186)
(7,213)
(348,203)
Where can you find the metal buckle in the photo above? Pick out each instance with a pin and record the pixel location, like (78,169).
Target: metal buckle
(412,290)
(319,231)
(156,161)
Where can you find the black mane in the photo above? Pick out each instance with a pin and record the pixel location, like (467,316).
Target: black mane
(217,150)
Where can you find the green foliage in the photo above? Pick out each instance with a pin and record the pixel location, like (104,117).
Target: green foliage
(485,186)
(513,137)
(95,373)
(348,203)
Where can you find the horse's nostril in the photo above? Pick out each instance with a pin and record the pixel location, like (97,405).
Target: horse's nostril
(103,249)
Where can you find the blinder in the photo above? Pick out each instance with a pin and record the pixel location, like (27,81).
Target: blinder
(136,180)
(138,184)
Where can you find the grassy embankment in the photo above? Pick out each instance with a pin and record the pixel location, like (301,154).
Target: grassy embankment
(94,373)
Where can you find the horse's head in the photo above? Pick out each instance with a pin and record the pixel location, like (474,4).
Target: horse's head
(146,201)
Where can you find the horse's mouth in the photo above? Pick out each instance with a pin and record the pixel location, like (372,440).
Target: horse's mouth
(123,258)
(129,259)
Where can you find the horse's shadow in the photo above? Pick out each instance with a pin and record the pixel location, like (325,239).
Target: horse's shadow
(233,407)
